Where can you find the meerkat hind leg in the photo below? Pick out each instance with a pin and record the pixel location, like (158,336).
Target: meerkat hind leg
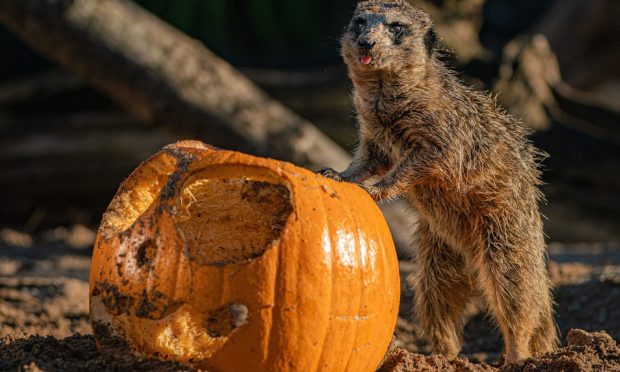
(510,291)
(545,338)
(443,290)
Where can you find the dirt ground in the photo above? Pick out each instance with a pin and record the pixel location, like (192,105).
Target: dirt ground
(44,313)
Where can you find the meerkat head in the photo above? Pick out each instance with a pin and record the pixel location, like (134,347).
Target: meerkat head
(388,35)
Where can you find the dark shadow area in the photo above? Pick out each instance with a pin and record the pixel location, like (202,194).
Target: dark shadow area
(74,353)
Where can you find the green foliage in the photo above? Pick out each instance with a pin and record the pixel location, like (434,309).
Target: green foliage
(261,32)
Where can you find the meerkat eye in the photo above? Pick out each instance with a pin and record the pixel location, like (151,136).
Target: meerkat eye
(395,28)
(359,21)
(358,24)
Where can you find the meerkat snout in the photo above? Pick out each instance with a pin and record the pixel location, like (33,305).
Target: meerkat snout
(364,43)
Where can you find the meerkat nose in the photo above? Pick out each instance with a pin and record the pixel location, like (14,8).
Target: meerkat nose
(365,43)
(366,59)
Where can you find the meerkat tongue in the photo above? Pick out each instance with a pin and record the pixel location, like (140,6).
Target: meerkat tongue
(366,59)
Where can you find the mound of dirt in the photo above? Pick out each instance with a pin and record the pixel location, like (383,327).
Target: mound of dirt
(585,351)
(401,360)
(595,351)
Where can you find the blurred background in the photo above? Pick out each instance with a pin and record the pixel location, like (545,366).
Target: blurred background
(65,147)
(70,134)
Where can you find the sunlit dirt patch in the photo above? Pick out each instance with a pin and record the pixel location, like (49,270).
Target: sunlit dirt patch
(231,220)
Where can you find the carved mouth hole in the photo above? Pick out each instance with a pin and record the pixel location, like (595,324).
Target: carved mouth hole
(231,220)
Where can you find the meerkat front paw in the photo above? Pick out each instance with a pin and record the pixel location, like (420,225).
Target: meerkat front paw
(330,173)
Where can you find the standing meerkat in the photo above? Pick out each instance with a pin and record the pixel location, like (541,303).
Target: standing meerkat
(465,165)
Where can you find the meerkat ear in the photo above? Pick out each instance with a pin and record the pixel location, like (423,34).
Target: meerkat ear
(430,40)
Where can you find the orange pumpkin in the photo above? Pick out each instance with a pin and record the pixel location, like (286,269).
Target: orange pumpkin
(239,263)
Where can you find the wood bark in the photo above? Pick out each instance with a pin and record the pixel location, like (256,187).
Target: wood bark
(174,82)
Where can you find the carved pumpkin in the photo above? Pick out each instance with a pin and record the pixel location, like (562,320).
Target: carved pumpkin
(239,263)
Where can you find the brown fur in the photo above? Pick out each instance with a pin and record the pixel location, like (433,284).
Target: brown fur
(466,166)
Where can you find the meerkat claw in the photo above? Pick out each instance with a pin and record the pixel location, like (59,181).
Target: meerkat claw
(330,173)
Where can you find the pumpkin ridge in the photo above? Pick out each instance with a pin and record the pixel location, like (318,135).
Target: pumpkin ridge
(224,281)
(387,271)
(274,311)
(360,283)
(367,245)
(179,262)
(326,230)
(183,264)
(155,293)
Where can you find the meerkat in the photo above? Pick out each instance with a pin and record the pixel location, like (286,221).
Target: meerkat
(465,166)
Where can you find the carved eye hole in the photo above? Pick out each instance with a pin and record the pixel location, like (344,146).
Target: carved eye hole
(395,28)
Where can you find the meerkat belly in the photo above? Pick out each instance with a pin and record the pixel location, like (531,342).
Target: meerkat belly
(446,214)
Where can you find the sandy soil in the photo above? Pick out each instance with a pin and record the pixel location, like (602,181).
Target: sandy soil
(44,313)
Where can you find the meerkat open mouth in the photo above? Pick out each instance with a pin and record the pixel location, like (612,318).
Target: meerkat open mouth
(366,59)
